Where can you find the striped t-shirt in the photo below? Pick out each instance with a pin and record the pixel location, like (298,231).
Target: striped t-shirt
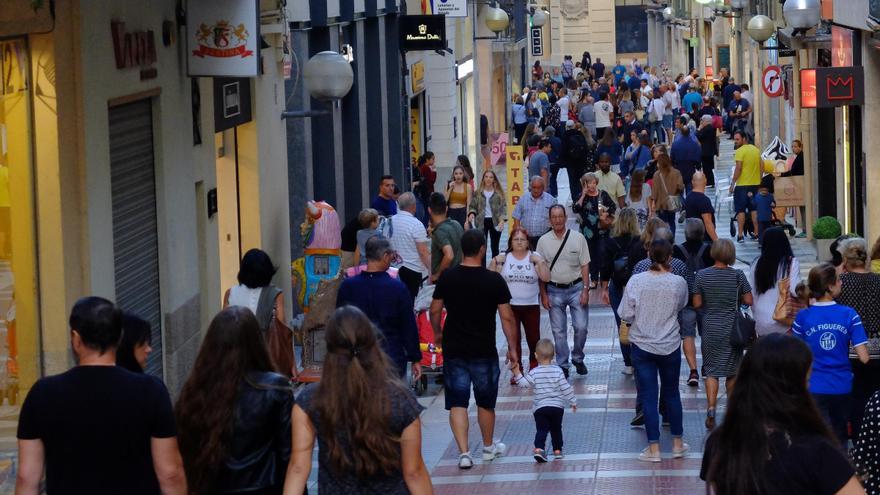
(549,385)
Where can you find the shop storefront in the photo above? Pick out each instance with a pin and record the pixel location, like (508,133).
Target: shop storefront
(19,325)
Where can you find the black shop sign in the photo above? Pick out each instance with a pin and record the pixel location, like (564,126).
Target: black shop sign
(840,86)
(422,32)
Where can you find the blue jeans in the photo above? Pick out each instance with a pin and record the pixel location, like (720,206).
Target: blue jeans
(655,130)
(668,217)
(559,300)
(647,367)
(615,295)
(460,374)
(554,173)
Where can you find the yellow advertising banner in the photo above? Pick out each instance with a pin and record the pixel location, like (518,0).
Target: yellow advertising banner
(515,183)
(415,134)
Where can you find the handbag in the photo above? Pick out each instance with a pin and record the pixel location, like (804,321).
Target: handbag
(744,333)
(673,202)
(787,306)
(279,338)
(623,333)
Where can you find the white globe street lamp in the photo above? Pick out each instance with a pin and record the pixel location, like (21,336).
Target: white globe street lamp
(739,4)
(668,14)
(496,19)
(539,18)
(328,76)
(761,28)
(802,14)
(704,2)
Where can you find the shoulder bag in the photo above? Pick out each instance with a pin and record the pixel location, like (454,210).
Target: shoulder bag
(673,201)
(279,337)
(787,306)
(744,333)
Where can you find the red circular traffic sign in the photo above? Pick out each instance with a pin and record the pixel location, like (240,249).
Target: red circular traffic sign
(771,81)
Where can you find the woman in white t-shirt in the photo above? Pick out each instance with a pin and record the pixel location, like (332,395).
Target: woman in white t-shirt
(775,263)
(522,269)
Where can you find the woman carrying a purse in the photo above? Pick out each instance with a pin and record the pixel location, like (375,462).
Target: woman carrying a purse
(775,267)
(596,209)
(667,189)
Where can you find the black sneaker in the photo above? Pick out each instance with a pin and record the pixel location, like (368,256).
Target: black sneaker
(638,421)
(740,239)
(581,368)
(693,379)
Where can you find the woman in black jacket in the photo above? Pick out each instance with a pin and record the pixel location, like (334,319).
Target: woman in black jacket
(612,273)
(233,413)
(709,145)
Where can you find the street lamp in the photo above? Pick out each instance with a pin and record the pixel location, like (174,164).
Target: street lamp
(802,14)
(327,77)
(496,19)
(539,18)
(705,2)
(739,4)
(668,14)
(761,28)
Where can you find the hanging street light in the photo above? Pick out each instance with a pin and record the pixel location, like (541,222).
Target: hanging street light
(802,14)
(668,14)
(496,19)
(739,4)
(761,28)
(328,76)
(539,18)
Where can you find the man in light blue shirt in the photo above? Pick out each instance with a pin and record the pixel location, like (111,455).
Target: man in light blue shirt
(532,211)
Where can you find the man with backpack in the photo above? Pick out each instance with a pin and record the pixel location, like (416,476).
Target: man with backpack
(575,153)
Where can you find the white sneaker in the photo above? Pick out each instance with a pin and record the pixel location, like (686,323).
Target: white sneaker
(627,370)
(497,449)
(465,461)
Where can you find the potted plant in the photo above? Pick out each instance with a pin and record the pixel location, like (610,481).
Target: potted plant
(825,231)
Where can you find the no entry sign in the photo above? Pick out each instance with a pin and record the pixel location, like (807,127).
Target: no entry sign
(772,81)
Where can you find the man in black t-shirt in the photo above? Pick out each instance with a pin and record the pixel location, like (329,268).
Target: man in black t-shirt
(472,295)
(98,428)
(698,205)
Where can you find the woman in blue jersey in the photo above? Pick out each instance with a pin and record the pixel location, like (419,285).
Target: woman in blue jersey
(830,329)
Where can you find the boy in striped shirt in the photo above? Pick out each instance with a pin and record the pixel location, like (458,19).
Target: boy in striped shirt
(552,394)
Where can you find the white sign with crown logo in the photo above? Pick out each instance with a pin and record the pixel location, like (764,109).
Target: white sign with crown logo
(223,38)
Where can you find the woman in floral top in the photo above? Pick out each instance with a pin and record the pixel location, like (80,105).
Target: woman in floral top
(860,289)
(596,209)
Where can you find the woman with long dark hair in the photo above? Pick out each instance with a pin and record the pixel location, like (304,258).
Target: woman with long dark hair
(773,439)
(365,419)
(458,195)
(233,413)
(831,329)
(135,346)
(775,263)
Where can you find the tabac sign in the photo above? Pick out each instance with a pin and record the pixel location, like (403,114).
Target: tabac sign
(223,38)
(422,32)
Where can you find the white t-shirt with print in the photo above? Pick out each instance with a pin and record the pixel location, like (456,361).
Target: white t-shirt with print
(522,280)
(602,109)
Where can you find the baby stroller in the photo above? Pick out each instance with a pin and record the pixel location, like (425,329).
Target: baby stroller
(432,356)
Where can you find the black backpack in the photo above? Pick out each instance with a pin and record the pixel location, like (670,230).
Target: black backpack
(622,269)
(576,148)
(694,262)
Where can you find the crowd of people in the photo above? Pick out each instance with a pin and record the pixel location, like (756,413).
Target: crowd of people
(800,369)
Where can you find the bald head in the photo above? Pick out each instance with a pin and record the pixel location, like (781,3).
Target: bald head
(699,182)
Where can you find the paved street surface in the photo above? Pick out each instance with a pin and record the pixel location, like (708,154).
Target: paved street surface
(600,447)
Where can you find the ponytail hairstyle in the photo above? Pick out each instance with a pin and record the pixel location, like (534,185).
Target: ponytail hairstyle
(821,279)
(660,254)
(353,398)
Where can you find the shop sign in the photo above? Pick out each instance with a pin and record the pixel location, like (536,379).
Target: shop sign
(537,42)
(450,8)
(232,102)
(415,135)
(135,49)
(223,38)
(839,86)
(808,88)
(422,32)
(841,47)
(515,182)
(417,76)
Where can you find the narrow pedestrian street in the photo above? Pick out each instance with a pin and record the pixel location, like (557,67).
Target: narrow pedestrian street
(601,449)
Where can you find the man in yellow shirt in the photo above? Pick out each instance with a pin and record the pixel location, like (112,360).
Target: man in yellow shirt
(745,181)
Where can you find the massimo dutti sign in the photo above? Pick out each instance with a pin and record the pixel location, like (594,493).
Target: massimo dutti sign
(422,32)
